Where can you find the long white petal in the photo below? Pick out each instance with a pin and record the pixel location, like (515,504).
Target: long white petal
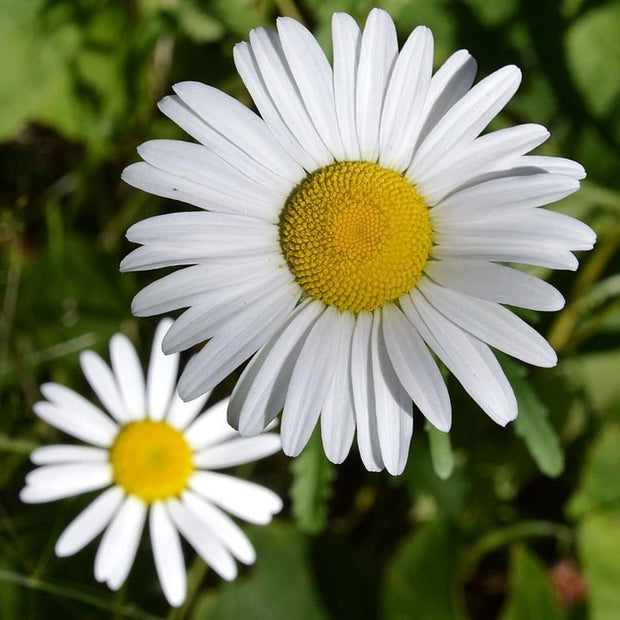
(346,38)
(238,451)
(241,127)
(50,455)
(276,76)
(416,369)
(337,416)
(167,554)
(378,51)
(102,380)
(493,282)
(248,68)
(222,527)
(261,390)
(200,536)
(73,414)
(89,523)
(162,375)
(129,375)
(404,100)
(52,482)
(244,499)
(466,118)
(310,382)
(393,406)
(314,79)
(239,339)
(490,323)
(119,544)
(363,394)
(210,428)
(181,413)
(478,371)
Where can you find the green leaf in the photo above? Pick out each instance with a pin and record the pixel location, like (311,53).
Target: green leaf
(532,424)
(422,578)
(598,489)
(279,585)
(311,488)
(530,591)
(599,550)
(592,46)
(441,451)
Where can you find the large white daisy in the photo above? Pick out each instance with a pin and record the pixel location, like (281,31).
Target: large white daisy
(357,226)
(152,456)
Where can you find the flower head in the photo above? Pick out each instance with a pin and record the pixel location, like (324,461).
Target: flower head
(152,455)
(355,228)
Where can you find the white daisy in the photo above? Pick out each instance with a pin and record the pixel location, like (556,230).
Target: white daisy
(357,226)
(152,457)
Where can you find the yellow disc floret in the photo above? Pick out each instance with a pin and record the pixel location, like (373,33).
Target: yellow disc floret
(355,235)
(151,460)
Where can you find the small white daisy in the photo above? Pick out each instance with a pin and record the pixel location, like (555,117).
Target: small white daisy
(153,455)
(357,226)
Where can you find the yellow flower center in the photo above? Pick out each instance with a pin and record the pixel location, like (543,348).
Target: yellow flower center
(355,235)
(151,460)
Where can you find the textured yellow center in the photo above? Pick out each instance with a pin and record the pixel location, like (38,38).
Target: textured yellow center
(151,460)
(355,235)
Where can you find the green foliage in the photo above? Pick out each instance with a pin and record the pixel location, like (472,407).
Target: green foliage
(311,488)
(479,516)
(531,593)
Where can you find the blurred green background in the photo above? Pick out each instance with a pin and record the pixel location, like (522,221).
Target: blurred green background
(526,523)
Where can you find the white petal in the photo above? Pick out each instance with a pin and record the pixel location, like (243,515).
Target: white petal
(238,451)
(210,428)
(119,543)
(404,100)
(243,499)
(181,413)
(337,416)
(495,283)
(52,482)
(183,288)
(167,554)
(466,118)
(248,69)
(89,523)
(167,185)
(74,415)
(261,390)
(393,406)
(203,540)
(162,375)
(500,197)
(490,323)
(378,51)
(313,77)
(217,308)
(346,42)
(416,369)
(196,164)
(129,376)
(459,168)
(222,527)
(310,382)
(102,380)
(285,95)
(363,394)
(242,128)
(556,165)
(451,81)
(469,360)
(239,339)
(49,455)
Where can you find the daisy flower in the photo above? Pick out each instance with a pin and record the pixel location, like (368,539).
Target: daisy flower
(152,455)
(350,234)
